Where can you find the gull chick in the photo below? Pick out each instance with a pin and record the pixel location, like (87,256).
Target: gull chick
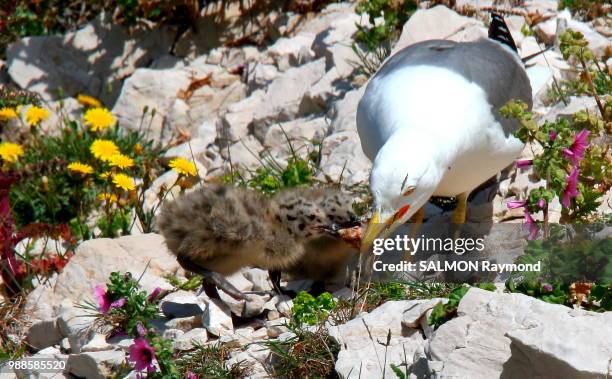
(219,229)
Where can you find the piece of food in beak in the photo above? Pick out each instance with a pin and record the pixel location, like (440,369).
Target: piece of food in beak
(349,234)
(382,229)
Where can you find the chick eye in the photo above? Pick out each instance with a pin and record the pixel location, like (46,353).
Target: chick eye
(408,191)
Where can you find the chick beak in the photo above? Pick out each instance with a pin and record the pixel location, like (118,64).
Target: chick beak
(382,229)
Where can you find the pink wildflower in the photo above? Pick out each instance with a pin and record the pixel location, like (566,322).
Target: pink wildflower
(154,294)
(552,135)
(523,163)
(531,225)
(571,188)
(142,331)
(576,152)
(513,204)
(119,303)
(541,203)
(142,354)
(101,295)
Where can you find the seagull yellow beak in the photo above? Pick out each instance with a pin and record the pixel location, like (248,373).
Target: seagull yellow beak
(382,229)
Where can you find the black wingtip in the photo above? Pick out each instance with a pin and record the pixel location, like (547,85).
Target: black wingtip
(498,31)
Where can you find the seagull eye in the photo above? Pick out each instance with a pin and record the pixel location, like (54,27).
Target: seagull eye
(408,191)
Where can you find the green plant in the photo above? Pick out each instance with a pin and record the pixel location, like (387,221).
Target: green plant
(12,98)
(394,15)
(444,312)
(378,293)
(578,86)
(576,171)
(309,353)
(18,270)
(12,329)
(526,31)
(123,305)
(373,42)
(310,310)
(588,9)
(91,174)
(193,283)
(571,255)
(208,361)
(272,176)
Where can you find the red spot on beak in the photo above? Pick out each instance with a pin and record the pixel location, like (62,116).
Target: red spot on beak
(402,211)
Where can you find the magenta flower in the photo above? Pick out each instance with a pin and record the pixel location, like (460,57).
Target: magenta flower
(571,188)
(191,375)
(101,295)
(552,135)
(547,287)
(522,163)
(142,354)
(531,225)
(541,203)
(119,303)
(513,204)
(154,294)
(576,152)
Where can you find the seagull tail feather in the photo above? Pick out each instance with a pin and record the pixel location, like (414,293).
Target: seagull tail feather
(498,31)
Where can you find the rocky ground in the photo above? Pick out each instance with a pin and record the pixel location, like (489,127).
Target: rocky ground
(230,102)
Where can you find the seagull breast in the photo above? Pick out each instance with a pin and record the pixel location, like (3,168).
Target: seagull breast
(438,102)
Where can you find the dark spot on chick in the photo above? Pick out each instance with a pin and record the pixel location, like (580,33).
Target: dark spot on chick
(220,190)
(291,218)
(301,226)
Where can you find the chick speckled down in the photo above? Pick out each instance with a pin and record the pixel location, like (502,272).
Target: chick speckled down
(223,229)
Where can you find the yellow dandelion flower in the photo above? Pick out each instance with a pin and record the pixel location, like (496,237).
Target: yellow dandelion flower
(110,197)
(124,182)
(121,161)
(80,168)
(183,166)
(7,114)
(35,115)
(103,149)
(105,175)
(99,119)
(89,101)
(10,152)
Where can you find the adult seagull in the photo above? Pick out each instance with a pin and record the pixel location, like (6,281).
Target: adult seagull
(429,120)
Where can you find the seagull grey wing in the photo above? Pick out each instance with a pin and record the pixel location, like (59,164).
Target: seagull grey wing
(496,69)
(493,67)
(500,73)
(370,111)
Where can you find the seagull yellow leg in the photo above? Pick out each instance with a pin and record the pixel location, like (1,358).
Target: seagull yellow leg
(459,214)
(417,220)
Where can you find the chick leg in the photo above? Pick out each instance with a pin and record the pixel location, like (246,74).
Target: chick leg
(211,280)
(317,288)
(459,214)
(275,278)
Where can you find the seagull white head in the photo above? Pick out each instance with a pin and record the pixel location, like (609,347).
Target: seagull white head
(402,181)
